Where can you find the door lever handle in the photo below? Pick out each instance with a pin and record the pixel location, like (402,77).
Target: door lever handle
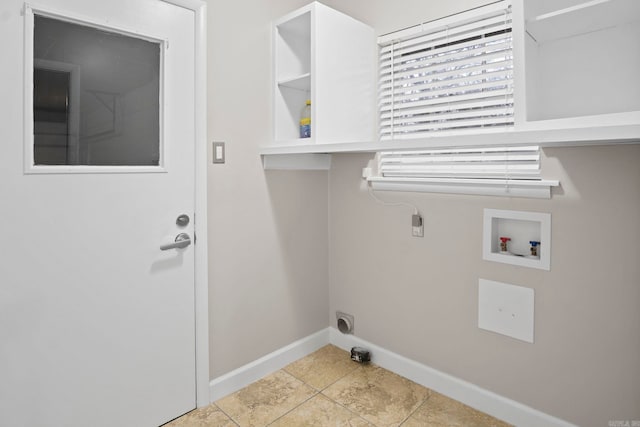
(182,241)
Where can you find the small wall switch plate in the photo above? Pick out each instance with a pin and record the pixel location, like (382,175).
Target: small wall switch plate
(506,309)
(417,228)
(218,152)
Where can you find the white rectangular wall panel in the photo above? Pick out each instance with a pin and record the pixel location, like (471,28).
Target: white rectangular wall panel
(506,309)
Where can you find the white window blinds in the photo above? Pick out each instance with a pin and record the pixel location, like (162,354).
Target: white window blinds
(466,163)
(451,74)
(497,171)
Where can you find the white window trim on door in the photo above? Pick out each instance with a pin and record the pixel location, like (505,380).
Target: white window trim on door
(31,9)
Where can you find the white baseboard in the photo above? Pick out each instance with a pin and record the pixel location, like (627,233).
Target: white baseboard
(486,401)
(252,372)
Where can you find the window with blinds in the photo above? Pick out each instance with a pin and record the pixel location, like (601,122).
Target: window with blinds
(505,163)
(452,74)
(497,171)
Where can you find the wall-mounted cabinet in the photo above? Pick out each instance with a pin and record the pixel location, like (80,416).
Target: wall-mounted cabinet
(329,58)
(579,61)
(575,79)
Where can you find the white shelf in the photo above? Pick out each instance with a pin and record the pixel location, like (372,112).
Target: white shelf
(521,228)
(582,18)
(302,82)
(545,137)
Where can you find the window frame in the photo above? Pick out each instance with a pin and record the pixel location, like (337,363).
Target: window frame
(29,166)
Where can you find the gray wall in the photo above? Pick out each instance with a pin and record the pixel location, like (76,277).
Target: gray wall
(268,231)
(419,297)
(272,280)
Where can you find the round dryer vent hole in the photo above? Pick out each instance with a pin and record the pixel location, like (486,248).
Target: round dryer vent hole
(344,322)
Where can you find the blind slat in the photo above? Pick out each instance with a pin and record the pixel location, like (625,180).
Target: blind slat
(386,59)
(439,24)
(450,77)
(417,131)
(417,121)
(459,102)
(468,150)
(476,61)
(430,85)
(473,104)
(452,33)
(486,88)
(460,65)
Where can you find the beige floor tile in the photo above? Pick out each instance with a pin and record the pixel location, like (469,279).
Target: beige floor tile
(440,411)
(323,367)
(320,412)
(209,416)
(377,395)
(265,400)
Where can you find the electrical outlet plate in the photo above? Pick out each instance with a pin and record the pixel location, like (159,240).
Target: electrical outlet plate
(417,226)
(506,309)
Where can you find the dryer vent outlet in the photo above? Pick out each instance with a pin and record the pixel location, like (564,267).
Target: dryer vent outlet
(345,322)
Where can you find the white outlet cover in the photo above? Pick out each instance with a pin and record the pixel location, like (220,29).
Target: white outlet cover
(506,309)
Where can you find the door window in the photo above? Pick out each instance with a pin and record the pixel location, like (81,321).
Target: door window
(96,96)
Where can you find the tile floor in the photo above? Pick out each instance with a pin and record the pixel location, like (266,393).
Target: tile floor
(326,388)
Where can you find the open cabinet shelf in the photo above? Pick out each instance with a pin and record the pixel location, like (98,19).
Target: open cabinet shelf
(575,80)
(302,82)
(329,58)
(580,61)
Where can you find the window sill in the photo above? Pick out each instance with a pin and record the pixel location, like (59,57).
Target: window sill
(537,189)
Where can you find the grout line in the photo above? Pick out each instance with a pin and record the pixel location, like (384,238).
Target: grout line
(341,378)
(417,409)
(227,415)
(297,406)
(330,384)
(350,411)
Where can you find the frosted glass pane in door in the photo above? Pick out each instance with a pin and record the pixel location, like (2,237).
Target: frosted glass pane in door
(96,96)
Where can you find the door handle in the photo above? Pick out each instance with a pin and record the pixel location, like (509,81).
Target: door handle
(182,241)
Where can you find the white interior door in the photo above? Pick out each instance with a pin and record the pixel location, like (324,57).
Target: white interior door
(96,165)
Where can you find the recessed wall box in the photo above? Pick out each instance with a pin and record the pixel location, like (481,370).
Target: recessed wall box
(520,228)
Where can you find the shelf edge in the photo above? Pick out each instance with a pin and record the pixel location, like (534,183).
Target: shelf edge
(598,135)
(560,12)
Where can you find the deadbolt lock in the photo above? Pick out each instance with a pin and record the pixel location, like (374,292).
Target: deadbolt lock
(182,220)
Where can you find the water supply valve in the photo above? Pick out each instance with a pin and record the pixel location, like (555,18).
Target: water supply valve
(503,244)
(534,248)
